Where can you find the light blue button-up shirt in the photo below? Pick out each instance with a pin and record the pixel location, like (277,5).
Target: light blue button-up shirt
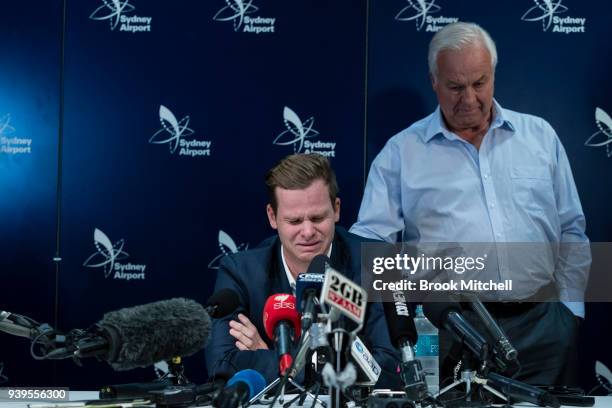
(430,185)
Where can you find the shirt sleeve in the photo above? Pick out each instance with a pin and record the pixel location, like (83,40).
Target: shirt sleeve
(380,215)
(574,259)
(222,355)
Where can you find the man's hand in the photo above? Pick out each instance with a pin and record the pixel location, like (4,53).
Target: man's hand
(246,334)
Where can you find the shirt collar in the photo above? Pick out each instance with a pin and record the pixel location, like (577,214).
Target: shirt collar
(437,127)
(290,277)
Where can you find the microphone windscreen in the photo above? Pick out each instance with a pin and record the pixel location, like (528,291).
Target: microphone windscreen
(436,312)
(145,334)
(252,378)
(305,282)
(278,308)
(400,322)
(224,301)
(318,264)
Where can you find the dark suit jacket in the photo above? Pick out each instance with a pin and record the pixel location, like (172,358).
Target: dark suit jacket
(258,273)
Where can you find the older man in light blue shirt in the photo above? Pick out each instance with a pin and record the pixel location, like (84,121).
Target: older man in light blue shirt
(473,171)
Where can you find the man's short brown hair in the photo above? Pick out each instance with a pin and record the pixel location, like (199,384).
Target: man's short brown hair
(298,171)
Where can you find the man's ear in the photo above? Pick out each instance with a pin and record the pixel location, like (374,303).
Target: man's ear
(271,216)
(337,210)
(432,78)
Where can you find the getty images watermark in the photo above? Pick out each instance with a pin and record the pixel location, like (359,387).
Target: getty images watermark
(495,271)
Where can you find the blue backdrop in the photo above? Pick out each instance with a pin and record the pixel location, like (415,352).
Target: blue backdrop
(136,158)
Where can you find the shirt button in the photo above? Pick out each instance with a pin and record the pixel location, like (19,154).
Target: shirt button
(498,235)
(486,177)
(492,205)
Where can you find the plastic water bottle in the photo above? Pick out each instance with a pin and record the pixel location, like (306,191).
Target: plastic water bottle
(427,349)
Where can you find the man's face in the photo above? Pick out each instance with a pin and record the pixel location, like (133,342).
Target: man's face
(305,221)
(464,86)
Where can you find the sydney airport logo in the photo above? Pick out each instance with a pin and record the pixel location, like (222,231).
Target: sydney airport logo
(227,247)
(108,256)
(115,12)
(420,11)
(179,136)
(242,14)
(10,144)
(298,133)
(603,137)
(548,12)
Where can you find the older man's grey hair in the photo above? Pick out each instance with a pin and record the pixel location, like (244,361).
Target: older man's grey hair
(458,36)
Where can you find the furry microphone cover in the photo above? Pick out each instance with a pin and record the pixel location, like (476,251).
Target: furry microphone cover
(143,335)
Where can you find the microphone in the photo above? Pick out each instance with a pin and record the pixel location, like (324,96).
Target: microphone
(243,386)
(502,343)
(222,303)
(22,326)
(282,324)
(366,362)
(307,289)
(522,392)
(403,335)
(448,315)
(142,335)
(343,296)
(165,392)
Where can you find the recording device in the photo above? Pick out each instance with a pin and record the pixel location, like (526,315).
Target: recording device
(572,396)
(184,395)
(403,335)
(243,386)
(389,399)
(142,335)
(133,390)
(164,391)
(282,324)
(519,391)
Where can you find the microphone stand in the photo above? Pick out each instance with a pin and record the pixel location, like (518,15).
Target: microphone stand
(176,371)
(471,379)
(290,374)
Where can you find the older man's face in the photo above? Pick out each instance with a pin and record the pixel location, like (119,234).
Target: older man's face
(464,86)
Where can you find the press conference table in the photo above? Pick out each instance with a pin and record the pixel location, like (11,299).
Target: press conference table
(600,402)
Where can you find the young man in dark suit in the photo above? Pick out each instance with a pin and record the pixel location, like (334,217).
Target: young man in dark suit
(303,209)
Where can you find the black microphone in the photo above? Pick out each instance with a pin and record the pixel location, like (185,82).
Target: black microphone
(142,335)
(243,386)
(522,392)
(308,288)
(403,335)
(161,389)
(448,315)
(502,343)
(222,303)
